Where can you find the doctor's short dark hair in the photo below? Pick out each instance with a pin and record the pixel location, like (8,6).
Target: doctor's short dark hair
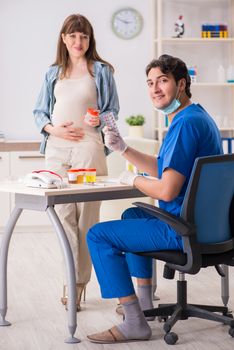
(175,66)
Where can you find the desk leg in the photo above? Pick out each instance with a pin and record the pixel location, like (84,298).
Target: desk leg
(3,263)
(225,285)
(70,272)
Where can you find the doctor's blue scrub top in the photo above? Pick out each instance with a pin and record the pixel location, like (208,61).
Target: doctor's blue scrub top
(192,133)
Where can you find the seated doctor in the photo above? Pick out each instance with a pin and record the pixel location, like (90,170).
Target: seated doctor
(192,133)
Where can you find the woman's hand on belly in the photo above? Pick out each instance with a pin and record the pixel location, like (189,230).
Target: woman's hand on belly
(65,131)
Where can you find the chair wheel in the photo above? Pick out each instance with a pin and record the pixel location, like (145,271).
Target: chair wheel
(162,318)
(231,332)
(171,338)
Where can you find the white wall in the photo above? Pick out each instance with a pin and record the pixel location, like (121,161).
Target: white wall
(29,32)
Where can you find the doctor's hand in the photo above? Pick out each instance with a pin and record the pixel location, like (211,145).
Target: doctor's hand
(128,178)
(114,141)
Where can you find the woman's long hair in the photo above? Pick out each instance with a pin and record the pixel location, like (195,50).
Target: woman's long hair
(77,23)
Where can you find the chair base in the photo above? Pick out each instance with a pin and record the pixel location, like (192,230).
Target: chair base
(182,311)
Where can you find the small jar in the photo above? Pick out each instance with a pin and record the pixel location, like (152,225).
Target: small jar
(90,175)
(80,176)
(72,176)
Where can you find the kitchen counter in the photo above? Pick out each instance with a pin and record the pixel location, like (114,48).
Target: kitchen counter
(18,145)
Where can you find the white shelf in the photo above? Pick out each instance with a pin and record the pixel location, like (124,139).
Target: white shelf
(163,129)
(213,84)
(204,53)
(199,40)
(228,128)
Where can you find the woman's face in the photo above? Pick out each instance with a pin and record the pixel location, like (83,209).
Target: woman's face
(77,44)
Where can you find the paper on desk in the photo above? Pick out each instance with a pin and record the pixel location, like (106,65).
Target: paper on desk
(113,181)
(116,180)
(108,181)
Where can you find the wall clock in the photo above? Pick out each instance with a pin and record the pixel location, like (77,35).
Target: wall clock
(127,23)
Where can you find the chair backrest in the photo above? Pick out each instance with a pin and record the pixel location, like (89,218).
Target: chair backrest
(209,199)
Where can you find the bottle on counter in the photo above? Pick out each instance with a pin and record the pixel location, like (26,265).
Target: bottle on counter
(230,74)
(221,74)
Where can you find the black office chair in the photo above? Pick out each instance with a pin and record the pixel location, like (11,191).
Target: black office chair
(206,225)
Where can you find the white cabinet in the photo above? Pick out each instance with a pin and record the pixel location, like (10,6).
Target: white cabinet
(21,164)
(5,198)
(15,165)
(207,54)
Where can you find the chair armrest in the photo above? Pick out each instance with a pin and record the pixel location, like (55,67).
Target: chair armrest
(181,227)
(185,230)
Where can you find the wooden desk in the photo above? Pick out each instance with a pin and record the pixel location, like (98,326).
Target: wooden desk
(44,200)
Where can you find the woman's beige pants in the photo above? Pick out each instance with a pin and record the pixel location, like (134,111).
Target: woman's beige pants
(77,218)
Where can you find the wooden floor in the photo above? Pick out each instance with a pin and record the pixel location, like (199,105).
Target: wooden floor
(39,322)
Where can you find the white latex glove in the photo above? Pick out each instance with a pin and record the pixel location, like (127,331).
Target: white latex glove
(114,141)
(128,178)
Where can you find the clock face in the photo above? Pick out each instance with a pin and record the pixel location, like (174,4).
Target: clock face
(127,23)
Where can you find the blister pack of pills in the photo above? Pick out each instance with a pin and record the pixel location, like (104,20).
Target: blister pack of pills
(110,121)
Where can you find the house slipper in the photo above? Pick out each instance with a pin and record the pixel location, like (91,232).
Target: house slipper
(111,336)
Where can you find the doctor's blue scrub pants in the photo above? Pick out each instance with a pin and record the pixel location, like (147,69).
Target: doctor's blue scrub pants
(111,243)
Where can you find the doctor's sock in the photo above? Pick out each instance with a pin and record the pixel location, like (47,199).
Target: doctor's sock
(145,297)
(134,325)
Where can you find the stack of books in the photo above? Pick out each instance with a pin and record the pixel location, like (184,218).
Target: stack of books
(2,136)
(214,31)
